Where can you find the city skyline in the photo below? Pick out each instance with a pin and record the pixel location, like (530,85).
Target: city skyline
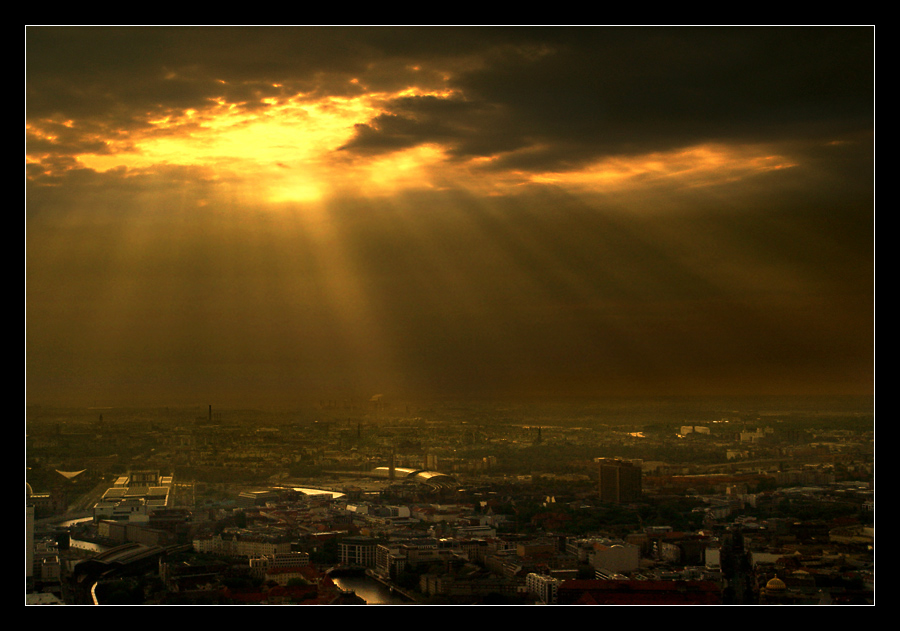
(278,214)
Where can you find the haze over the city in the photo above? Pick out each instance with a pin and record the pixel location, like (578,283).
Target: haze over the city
(252,216)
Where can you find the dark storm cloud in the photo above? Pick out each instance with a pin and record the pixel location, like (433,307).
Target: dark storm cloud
(101,71)
(576,95)
(661,87)
(415,121)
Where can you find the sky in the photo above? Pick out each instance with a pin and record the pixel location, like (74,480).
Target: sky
(270,215)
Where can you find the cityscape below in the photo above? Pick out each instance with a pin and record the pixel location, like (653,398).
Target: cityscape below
(376,500)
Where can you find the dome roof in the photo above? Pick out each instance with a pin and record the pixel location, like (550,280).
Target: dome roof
(776,584)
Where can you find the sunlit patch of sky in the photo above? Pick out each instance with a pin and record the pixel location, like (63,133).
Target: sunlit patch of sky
(288,150)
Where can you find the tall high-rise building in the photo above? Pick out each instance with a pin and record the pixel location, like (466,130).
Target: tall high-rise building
(620,480)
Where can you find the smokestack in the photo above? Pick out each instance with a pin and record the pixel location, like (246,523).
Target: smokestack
(210,412)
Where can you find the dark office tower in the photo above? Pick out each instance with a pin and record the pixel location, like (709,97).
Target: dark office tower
(736,569)
(620,481)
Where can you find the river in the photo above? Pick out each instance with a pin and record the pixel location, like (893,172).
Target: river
(370,590)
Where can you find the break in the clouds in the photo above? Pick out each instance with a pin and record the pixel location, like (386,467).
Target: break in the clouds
(275,213)
(566,96)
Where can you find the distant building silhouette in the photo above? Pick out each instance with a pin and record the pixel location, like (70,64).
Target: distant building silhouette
(620,480)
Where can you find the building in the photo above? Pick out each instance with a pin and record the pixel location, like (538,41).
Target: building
(544,587)
(616,558)
(134,532)
(392,559)
(620,480)
(243,545)
(281,567)
(358,551)
(135,496)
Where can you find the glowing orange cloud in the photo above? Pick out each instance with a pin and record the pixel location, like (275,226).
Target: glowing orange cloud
(285,149)
(697,166)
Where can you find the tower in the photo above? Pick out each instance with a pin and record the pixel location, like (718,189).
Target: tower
(391,468)
(620,480)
